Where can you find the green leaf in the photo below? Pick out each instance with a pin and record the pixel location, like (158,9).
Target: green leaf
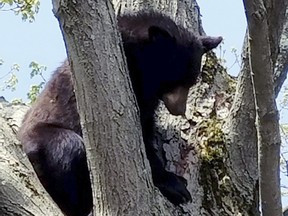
(37,69)
(12,82)
(27,8)
(34,92)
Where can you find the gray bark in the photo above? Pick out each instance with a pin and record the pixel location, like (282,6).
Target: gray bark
(214,147)
(21,193)
(107,109)
(265,23)
(241,140)
(281,66)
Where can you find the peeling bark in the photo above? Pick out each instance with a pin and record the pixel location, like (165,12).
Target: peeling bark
(214,147)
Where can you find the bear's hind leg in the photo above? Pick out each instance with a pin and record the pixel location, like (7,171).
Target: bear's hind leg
(59,159)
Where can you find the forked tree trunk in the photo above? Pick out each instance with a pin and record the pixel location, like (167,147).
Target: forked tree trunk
(195,150)
(214,147)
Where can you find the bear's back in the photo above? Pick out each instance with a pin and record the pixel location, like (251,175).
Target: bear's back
(56,105)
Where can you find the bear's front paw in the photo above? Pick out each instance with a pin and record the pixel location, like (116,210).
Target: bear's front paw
(173,187)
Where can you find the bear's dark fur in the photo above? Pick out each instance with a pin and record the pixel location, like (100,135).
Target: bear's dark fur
(164,62)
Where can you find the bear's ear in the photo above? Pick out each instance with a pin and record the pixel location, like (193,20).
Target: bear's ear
(210,43)
(155,33)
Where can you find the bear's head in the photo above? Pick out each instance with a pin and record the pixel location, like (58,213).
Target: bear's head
(169,66)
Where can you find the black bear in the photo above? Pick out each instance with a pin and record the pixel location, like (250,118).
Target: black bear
(163,61)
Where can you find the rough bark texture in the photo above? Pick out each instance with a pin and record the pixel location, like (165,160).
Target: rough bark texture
(240,126)
(214,147)
(20,191)
(275,12)
(195,147)
(241,140)
(263,49)
(107,107)
(281,66)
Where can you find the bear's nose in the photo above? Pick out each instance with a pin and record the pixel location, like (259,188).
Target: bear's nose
(175,101)
(177,110)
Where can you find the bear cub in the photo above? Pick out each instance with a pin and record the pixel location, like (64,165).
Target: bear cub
(164,62)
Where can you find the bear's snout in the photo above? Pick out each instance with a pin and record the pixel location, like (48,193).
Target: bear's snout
(175,101)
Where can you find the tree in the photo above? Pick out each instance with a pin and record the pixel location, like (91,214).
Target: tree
(215,148)
(20,192)
(119,147)
(27,8)
(265,22)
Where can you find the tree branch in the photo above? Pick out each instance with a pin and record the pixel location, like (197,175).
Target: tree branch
(267,119)
(281,66)
(21,193)
(241,141)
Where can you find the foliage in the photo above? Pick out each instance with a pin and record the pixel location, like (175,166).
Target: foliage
(11,82)
(37,70)
(27,8)
(236,64)
(34,91)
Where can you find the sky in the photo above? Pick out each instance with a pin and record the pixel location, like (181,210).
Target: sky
(23,42)
(42,41)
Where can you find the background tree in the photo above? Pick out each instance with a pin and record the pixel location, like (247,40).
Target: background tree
(215,147)
(265,22)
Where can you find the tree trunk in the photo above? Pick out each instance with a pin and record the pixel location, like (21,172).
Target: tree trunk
(214,147)
(111,129)
(262,47)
